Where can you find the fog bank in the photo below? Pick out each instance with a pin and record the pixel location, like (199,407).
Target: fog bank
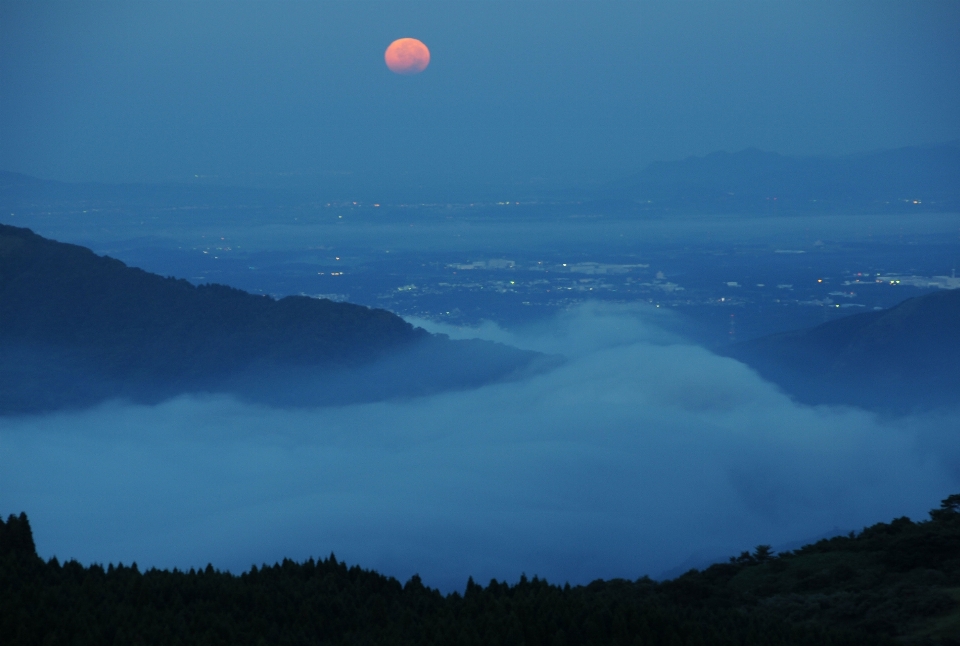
(639,453)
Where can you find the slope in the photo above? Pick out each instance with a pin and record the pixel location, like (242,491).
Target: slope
(77,328)
(900,359)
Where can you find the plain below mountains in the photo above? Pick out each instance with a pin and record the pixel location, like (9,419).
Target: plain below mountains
(898,360)
(77,329)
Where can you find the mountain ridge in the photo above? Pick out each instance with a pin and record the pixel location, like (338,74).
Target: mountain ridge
(77,328)
(899,359)
(750,181)
(909,179)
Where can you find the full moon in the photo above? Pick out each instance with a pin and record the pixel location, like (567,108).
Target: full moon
(407,56)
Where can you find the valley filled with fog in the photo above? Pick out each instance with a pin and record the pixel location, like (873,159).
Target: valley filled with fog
(639,455)
(639,450)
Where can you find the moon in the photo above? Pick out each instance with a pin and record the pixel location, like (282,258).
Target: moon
(407,56)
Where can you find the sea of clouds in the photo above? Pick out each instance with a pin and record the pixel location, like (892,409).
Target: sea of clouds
(640,454)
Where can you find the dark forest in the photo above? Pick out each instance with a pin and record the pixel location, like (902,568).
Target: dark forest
(891,583)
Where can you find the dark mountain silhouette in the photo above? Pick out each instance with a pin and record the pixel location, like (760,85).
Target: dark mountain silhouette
(903,358)
(914,179)
(892,583)
(77,328)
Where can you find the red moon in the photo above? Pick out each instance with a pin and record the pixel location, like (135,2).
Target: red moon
(407,56)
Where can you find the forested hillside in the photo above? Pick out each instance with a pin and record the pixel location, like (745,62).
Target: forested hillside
(900,359)
(77,328)
(892,583)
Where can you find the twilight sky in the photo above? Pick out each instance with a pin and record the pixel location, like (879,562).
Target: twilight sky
(256,92)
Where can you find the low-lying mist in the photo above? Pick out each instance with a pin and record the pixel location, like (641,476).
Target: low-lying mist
(640,453)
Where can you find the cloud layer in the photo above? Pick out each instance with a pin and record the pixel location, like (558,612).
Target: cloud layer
(640,453)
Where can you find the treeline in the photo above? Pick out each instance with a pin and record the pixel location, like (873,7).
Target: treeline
(891,583)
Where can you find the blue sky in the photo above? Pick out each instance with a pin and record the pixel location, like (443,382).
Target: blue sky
(253,92)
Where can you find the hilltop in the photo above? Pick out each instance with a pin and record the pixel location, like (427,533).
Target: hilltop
(77,328)
(898,359)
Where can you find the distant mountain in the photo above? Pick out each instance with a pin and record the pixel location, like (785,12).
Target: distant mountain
(900,359)
(23,192)
(921,178)
(904,180)
(77,328)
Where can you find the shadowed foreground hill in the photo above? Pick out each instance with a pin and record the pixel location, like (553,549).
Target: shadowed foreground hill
(897,360)
(891,583)
(77,328)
